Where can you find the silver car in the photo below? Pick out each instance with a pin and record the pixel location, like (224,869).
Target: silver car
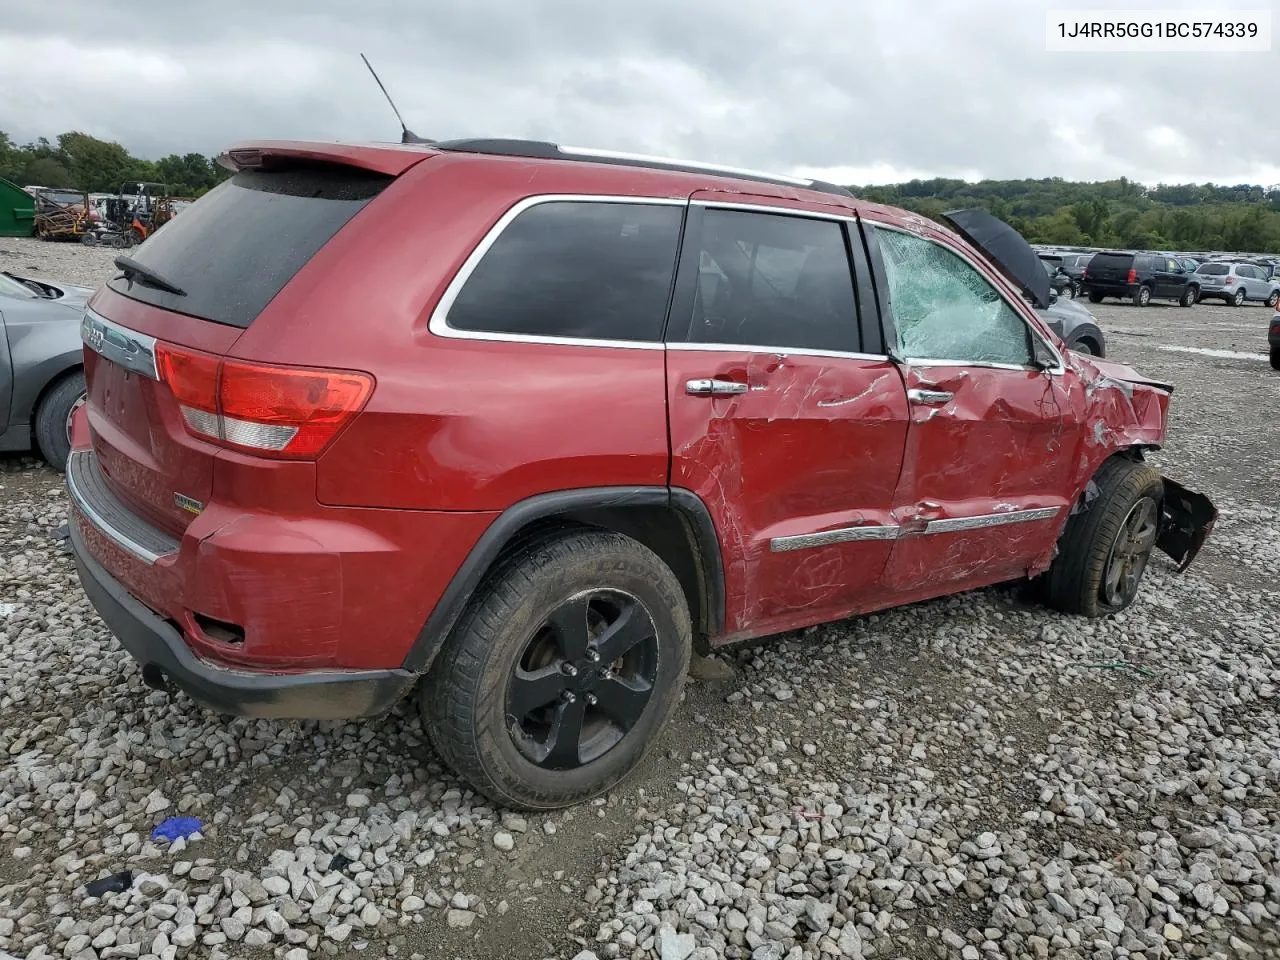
(1235,283)
(41,364)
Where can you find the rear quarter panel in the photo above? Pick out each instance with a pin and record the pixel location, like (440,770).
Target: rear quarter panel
(462,424)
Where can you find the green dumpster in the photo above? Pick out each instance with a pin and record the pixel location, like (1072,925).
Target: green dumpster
(17,211)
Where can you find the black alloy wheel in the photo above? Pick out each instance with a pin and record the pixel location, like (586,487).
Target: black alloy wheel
(583,680)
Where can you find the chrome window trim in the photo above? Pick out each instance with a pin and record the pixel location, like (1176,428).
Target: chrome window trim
(991,365)
(956,524)
(439,322)
(1060,367)
(132,350)
(805,541)
(717,204)
(780,351)
(118,537)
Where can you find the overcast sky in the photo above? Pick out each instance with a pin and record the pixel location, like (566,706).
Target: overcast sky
(858,91)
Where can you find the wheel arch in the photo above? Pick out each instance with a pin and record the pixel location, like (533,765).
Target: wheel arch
(50,384)
(672,522)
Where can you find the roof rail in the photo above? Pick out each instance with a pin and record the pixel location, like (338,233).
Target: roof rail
(543,150)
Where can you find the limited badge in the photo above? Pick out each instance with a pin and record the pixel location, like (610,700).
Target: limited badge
(183,502)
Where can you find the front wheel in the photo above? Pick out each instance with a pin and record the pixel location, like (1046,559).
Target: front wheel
(1274,299)
(1075,289)
(562,672)
(1188,297)
(1103,551)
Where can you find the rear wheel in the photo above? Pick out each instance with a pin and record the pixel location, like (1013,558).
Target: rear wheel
(1095,297)
(1189,297)
(562,672)
(1142,296)
(53,418)
(1237,298)
(1103,551)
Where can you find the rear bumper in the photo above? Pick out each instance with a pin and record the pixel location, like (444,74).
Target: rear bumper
(165,657)
(1110,289)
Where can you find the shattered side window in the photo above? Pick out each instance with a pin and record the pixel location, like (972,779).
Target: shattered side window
(945,310)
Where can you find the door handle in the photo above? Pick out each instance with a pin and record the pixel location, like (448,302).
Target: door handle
(929,396)
(714,388)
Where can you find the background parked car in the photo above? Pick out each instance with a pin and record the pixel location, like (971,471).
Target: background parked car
(1235,283)
(1140,277)
(1273,340)
(1077,327)
(1059,282)
(41,364)
(1073,265)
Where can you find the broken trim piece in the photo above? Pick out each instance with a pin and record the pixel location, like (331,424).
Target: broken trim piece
(991,520)
(804,541)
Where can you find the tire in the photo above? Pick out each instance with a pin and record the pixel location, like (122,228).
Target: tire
(53,417)
(1077,582)
(1084,347)
(1275,358)
(514,628)
(1095,297)
(1274,300)
(1142,296)
(89,240)
(1237,299)
(1189,297)
(1074,289)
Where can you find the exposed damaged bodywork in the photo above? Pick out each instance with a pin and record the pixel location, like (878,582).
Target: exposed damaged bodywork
(1187,521)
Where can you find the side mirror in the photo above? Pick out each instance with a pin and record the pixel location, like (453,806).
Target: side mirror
(1044,358)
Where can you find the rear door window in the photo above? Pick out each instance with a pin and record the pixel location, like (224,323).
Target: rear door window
(236,247)
(773,280)
(587,270)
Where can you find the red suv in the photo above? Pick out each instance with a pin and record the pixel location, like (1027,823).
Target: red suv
(519,427)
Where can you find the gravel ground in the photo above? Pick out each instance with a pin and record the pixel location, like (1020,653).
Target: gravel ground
(972,777)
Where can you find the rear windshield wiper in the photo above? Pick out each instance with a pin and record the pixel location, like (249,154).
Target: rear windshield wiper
(136,272)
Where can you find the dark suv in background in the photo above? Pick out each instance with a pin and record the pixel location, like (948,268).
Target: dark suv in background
(1140,277)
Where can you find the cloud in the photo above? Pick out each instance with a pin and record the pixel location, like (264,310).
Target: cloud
(861,92)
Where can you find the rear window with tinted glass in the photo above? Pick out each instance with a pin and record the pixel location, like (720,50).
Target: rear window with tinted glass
(1214,269)
(1114,261)
(589,270)
(236,247)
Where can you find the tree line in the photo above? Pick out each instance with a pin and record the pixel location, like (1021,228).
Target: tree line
(82,162)
(1112,213)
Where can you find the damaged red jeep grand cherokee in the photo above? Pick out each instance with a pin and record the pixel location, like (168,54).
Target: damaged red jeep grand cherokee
(517,427)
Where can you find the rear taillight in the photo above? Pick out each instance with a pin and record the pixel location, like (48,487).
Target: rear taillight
(287,412)
(1132,277)
(1084,274)
(1230,280)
